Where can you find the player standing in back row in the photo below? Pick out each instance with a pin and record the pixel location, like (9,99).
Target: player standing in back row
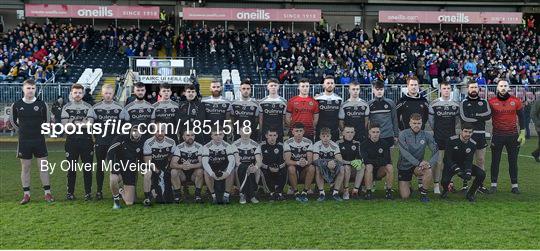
(78,145)
(329,105)
(106,110)
(303,109)
(27,115)
(507,113)
(476,110)
(273,110)
(443,119)
(383,112)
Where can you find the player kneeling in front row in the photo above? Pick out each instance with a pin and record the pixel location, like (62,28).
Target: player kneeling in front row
(458,160)
(377,161)
(157,179)
(186,164)
(352,159)
(412,146)
(218,162)
(298,155)
(329,165)
(273,165)
(124,154)
(248,161)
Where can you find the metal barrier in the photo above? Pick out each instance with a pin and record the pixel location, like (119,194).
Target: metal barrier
(11,92)
(392,92)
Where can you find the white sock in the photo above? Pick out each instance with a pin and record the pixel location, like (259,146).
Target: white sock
(26,193)
(226,195)
(47,192)
(514,185)
(494,184)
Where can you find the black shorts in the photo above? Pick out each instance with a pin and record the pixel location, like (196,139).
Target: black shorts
(129,178)
(32,147)
(188,173)
(480,139)
(405,175)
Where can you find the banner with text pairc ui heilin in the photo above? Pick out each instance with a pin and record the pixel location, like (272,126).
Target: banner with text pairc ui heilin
(92,11)
(450,17)
(239,14)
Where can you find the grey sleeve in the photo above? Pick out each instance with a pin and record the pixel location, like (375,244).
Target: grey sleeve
(404,152)
(394,118)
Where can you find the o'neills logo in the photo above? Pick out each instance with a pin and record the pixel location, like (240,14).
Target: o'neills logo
(102,11)
(460,17)
(257,15)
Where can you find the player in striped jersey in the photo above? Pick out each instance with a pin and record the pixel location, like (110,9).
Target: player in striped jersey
(106,110)
(443,119)
(328,160)
(78,145)
(218,162)
(246,109)
(329,106)
(248,160)
(167,111)
(273,110)
(216,108)
(186,164)
(354,112)
(157,181)
(298,155)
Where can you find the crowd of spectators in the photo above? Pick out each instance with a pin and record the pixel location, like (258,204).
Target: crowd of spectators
(37,51)
(391,54)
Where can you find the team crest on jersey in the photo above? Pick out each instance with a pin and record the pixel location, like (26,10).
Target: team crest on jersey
(148,109)
(422,142)
(380,150)
(276,151)
(67,155)
(115,110)
(468,150)
(480,103)
(141,110)
(193,111)
(138,149)
(456,148)
(353,148)
(310,103)
(36,108)
(252,108)
(512,103)
(385,106)
(108,112)
(273,105)
(223,105)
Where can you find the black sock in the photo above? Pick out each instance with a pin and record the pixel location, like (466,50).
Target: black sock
(46,187)
(177,193)
(25,189)
(198,191)
(148,195)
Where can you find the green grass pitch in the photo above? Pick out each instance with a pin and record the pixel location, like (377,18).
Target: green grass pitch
(500,221)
